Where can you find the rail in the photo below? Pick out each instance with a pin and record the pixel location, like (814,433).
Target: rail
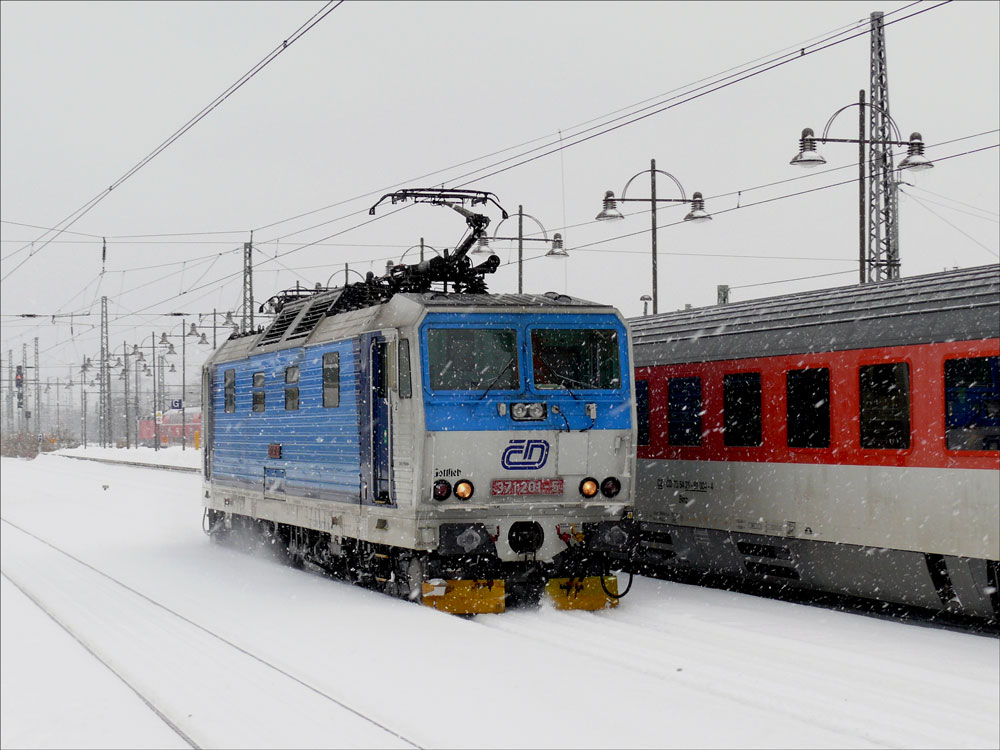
(141,464)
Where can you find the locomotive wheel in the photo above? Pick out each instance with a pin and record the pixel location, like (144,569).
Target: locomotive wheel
(411,586)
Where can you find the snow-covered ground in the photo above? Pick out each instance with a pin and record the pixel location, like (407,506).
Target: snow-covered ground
(235,650)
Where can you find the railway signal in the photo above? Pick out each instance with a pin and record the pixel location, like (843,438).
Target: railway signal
(19,384)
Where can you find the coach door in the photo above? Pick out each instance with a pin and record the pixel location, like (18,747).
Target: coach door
(379,427)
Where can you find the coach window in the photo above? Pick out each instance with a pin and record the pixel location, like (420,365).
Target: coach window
(229,380)
(642,411)
(404,386)
(291,388)
(331,380)
(884,405)
(972,403)
(808,408)
(684,411)
(741,409)
(258,392)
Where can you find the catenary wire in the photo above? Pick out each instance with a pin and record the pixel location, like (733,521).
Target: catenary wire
(81,212)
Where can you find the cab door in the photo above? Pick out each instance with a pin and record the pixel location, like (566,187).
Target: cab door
(376,433)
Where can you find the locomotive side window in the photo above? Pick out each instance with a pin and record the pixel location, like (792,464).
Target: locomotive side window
(581,359)
(229,389)
(331,380)
(642,411)
(404,385)
(741,409)
(258,395)
(884,406)
(291,388)
(972,403)
(808,408)
(684,411)
(469,359)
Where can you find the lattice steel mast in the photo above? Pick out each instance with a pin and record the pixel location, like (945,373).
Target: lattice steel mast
(883,216)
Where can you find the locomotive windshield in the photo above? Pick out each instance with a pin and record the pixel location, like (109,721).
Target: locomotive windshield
(472,359)
(575,358)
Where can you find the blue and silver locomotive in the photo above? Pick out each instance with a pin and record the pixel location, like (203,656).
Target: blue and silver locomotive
(417,434)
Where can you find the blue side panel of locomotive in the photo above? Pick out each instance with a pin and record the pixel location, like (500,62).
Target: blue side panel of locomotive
(319,447)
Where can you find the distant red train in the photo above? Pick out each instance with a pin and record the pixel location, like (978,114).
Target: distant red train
(844,440)
(172,427)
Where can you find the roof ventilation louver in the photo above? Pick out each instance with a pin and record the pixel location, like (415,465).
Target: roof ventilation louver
(280,325)
(315,313)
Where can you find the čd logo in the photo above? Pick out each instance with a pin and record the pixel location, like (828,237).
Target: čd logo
(525,455)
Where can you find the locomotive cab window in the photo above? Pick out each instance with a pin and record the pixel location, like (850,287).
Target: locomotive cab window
(972,403)
(808,408)
(884,405)
(684,411)
(578,359)
(229,390)
(472,359)
(331,380)
(741,409)
(291,388)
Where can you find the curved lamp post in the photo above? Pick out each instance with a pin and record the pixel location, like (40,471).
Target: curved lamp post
(610,212)
(347,270)
(183,335)
(556,251)
(228,321)
(878,252)
(422,247)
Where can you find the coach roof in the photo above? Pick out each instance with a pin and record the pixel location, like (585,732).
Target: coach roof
(951,305)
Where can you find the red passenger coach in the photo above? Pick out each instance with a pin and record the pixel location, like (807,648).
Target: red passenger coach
(844,440)
(172,426)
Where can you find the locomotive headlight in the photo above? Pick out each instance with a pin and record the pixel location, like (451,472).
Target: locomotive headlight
(588,487)
(442,489)
(463,489)
(533,412)
(611,487)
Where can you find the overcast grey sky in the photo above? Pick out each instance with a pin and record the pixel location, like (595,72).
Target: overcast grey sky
(381,94)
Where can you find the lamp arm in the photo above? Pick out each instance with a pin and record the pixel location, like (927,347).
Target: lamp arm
(659,171)
(829,122)
(857,140)
(526,216)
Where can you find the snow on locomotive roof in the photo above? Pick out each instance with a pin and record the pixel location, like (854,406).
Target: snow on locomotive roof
(307,320)
(439,299)
(959,304)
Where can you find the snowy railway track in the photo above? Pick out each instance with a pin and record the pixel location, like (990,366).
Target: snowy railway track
(770,662)
(151,647)
(139,464)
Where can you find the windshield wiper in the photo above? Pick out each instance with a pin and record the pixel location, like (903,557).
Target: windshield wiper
(563,377)
(493,382)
